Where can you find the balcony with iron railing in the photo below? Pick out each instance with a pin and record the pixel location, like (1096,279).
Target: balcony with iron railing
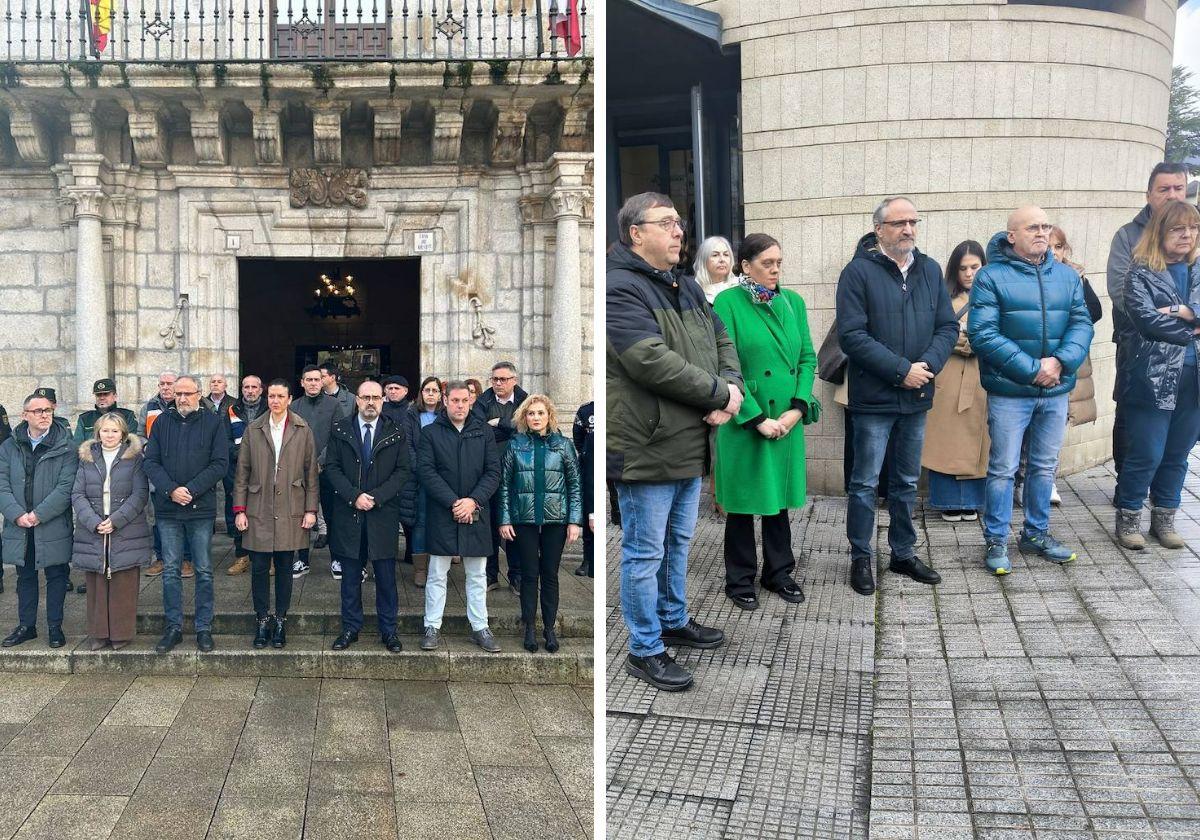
(230,31)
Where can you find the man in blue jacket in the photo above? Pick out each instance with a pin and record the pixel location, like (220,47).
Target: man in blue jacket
(897,328)
(1031,330)
(186,458)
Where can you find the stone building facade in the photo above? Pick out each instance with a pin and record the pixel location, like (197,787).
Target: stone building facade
(135,190)
(971,108)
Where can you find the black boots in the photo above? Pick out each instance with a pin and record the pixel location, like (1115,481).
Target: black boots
(280,638)
(530,644)
(262,635)
(861,579)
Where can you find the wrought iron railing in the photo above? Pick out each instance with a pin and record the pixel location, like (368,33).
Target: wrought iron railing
(293,30)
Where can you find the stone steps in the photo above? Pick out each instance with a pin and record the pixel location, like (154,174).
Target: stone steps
(457,660)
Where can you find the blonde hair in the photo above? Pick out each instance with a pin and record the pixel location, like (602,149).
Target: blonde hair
(530,401)
(111,418)
(1068,251)
(1149,249)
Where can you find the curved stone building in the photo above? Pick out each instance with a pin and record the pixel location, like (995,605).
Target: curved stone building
(969,106)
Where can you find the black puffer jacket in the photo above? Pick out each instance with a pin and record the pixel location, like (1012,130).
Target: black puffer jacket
(457,465)
(539,482)
(1153,349)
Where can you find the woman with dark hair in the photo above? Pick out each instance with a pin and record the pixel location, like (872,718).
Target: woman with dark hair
(1158,385)
(956,429)
(474,388)
(760,465)
(425,409)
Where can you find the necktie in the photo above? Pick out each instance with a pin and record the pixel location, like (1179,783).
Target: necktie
(366,450)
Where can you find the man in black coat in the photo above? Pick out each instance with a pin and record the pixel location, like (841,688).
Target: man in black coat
(583,434)
(897,328)
(459,467)
(187,456)
(319,410)
(496,407)
(366,465)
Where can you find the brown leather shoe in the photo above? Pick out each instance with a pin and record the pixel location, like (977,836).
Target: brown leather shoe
(154,569)
(420,569)
(187,570)
(239,566)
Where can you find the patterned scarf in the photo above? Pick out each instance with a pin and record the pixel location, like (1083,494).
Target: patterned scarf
(758,293)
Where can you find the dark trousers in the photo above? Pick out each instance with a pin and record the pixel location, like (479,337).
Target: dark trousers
(260,582)
(589,551)
(741,559)
(1120,441)
(540,550)
(27,592)
(408,540)
(227,486)
(614,502)
(493,561)
(351,587)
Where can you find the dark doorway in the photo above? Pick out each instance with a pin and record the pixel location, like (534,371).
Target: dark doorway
(284,325)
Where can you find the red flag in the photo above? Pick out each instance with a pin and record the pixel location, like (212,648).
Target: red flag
(101,22)
(566,26)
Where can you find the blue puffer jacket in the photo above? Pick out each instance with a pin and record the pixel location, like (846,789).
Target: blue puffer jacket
(1022,313)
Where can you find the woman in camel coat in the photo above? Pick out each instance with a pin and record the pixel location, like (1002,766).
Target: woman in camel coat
(956,430)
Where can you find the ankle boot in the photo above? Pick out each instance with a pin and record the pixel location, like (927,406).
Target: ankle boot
(279,639)
(262,636)
(420,569)
(530,642)
(551,639)
(1129,529)
(1162,527)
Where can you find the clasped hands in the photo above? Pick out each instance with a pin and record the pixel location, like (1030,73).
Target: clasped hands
(775,429)
(1049,373)
(28,520)
(721,416)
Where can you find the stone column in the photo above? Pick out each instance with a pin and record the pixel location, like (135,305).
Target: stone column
(92,324)
(565,318)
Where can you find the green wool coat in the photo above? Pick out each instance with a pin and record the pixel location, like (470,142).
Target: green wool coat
(754,474)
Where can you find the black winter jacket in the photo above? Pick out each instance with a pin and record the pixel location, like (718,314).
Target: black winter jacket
(457,465)
(886,323)
(486,408)
(539,482)
(1154,347)
(319,414)
(583,434)
(191,452)
(342,482)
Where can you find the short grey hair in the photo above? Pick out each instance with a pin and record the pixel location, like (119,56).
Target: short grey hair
(633,211)
(505,365)
(168,373)
(190,378)
(881,208)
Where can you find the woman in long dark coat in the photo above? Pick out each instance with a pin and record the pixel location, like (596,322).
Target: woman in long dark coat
(112,537)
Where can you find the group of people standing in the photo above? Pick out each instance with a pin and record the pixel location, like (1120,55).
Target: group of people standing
(355,463)
(994,355)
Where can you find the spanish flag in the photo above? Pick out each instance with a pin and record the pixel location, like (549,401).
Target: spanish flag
(102,11)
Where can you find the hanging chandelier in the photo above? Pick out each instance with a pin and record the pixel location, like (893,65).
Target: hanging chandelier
(334,297)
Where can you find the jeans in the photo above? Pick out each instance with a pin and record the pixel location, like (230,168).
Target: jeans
(540,550)
(27,592)
(1008,417)
(1156,458)
(876,437)
(179,535)
(435,590)
(658,520)
(260,582)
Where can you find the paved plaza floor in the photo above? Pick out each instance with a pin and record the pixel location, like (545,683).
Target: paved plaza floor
(1057,702)
(88,757)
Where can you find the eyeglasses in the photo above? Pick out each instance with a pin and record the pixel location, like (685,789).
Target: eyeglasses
(186,393)
(371,399)
(39,411)
(900,224)
(1038,228)
(503,378)
(667,225)
(1181,230)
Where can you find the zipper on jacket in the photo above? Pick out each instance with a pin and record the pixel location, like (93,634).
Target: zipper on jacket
(1042,291)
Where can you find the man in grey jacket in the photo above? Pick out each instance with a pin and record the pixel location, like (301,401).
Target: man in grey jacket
(1168,182)
(319,410)
(37,471)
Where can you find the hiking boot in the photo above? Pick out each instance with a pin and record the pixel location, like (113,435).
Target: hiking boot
(1045,545)
(1129,529)
(239,566)
(1162,527)
(997,558)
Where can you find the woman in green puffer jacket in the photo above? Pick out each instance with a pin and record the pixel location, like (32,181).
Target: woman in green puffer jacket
(541,508)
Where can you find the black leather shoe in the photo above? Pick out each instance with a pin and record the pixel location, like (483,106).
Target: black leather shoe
(693,635)
(580,571)
(659,670)
(861,579)
(392,643)
(551,640)
(20,636)
(530,643)
(55,637)
(204,641)
(747,602)
(172,637)
(790,592)
(279,638)
(912,567)
(81,589)
(345,640)
(262,635)
(70,585)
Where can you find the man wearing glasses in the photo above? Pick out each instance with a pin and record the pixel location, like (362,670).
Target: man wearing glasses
(897,328)
(672,373)
(187,456)
(37,471)
(1031,330)
(496,407)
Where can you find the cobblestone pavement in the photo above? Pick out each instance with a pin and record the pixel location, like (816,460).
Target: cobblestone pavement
(93,757)
(1053,703)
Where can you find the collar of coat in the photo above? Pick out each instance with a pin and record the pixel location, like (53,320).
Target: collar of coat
(526,440)
(472,426)
(89,450)
(54,442)
(347,429)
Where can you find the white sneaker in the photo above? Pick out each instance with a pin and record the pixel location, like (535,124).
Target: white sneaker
(951,516)
(299,569)
(335,569)
(1055,499)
